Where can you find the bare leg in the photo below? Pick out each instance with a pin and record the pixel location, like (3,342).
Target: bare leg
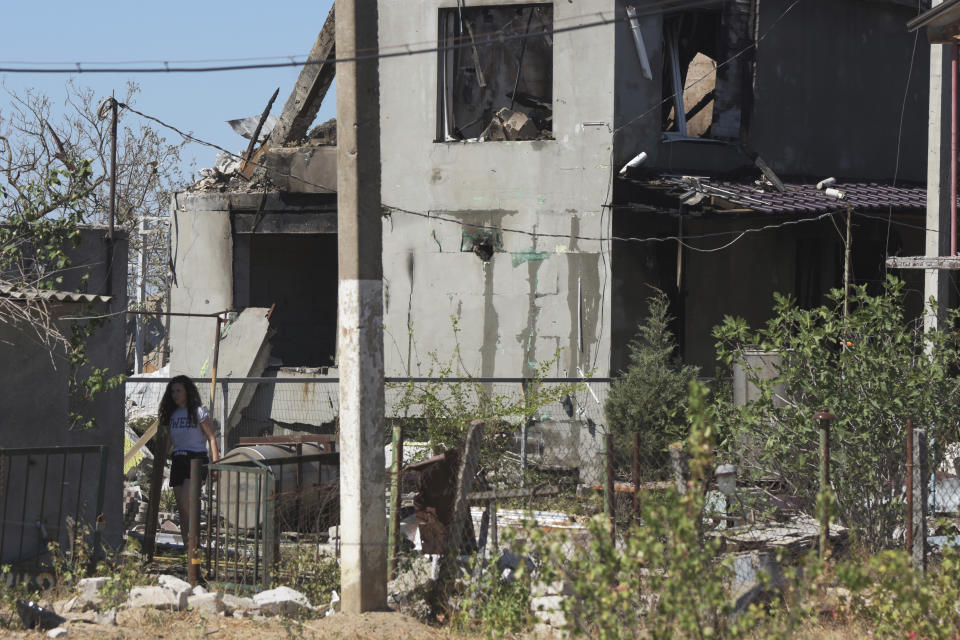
(182,495)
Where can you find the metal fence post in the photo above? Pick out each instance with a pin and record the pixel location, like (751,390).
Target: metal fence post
(824,418)
(225,420)
(100,524)
(678,463)
(193,531)
(271,540)
(636,477)
(396,471)
(920,492)
(908,530)
(609,499)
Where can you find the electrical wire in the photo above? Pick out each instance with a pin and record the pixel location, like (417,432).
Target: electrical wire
(493,38)
(739,234)
(903,110)
(424,46)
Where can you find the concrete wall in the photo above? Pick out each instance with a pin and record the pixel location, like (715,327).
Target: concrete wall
(521,306)
(202,256)
(827,95)
(830,87)
(34,405)
(216,247)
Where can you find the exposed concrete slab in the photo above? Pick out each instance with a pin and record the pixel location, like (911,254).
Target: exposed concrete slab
(312,84)
(244,352)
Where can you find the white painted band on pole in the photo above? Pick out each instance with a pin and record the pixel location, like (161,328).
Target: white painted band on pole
(362,460)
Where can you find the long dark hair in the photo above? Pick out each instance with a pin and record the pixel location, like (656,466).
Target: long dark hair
(168,406)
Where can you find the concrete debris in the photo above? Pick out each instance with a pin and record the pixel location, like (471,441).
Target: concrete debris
(207,603)
(176,585)
(325,132)
(58,632)
(236,604)
(511,125)
(108,618)
(546,603)
(227,164)
(157,598)
(282,601)
(89,597)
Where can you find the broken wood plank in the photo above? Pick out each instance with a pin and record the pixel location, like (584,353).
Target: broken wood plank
(505,494)
(152,429)
(311,87)
(248,156)
(924,262)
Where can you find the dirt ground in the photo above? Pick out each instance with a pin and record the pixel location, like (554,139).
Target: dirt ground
(154,625)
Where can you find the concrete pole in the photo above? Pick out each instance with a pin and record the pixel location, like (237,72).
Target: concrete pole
(936,282)
(363,555)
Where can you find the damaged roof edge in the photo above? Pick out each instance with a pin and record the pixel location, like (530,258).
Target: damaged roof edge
(47,295)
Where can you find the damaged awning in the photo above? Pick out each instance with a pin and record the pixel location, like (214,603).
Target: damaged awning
(744,196)
(49,295)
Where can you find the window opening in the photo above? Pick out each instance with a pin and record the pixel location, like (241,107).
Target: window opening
(690,74)
(498,89)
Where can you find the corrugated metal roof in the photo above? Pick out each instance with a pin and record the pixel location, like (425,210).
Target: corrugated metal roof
(796,197)
(943,13)
(32,295)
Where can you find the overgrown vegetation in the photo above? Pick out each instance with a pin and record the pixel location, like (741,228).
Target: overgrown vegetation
(312,573)
(440,412)
(874,369)
(650,397)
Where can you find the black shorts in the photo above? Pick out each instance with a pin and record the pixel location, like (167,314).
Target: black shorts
(180,466)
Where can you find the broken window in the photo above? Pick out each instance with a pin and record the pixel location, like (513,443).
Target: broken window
(490,88)
(705,98)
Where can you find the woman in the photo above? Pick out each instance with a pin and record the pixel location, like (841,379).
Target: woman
(190,429)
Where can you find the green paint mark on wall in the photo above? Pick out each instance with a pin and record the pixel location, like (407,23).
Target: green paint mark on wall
(519,257)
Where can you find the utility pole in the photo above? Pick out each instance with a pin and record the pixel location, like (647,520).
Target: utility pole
(363,556)
(936,282)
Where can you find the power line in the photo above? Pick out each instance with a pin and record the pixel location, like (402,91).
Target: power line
(404,50)
(682,240)
(424,46)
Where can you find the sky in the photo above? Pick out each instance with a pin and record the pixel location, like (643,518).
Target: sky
(199,103)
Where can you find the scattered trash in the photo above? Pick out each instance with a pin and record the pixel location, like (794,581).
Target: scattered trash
(33,616)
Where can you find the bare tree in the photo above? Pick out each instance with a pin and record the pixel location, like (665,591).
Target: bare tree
(54,168)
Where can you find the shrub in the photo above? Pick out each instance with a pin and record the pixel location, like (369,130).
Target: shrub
(650,397)
(874,369)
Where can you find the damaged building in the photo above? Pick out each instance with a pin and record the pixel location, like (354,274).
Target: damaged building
(540,244)
(61,448)
(511,236)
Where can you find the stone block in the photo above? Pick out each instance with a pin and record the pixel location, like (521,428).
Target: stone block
(89,594)
(206,602)
(557,588)
(236,604)
(108,618)
(282,601)
(57,632)
(175,584)
(157,598)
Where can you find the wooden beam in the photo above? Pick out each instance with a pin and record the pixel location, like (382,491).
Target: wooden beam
(924,262)
(311,87)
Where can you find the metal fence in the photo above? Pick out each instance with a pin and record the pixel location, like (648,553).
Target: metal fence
(564,434)
(270,505)
(49,494)
(552,468)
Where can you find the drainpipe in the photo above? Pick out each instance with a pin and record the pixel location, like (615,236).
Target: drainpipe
(953,151)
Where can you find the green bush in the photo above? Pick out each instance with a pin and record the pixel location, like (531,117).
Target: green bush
(650,397)
(874,369)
